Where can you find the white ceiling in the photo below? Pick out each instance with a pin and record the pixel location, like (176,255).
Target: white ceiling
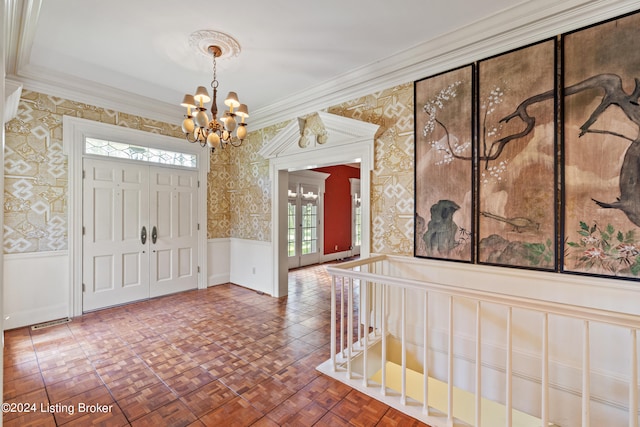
(136,52)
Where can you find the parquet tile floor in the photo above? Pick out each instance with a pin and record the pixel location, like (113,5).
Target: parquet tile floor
(223,356)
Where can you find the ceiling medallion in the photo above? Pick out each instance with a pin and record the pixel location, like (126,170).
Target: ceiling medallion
(201,41)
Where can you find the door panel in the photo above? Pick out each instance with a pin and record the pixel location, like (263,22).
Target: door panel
(103,273)
(131,269)
(185,265)
(131,214)
(115,208)
(174,260)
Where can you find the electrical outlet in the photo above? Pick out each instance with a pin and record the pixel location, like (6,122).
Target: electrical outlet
(336,248)
(254,270)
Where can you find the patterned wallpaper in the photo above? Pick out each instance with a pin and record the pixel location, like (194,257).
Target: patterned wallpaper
(35,169)
(392,181)
(219,187)
(250,195)
(239,192)
(392,186)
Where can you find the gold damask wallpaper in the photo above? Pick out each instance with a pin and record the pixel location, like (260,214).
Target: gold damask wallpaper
(239,190)
(35,169)
(219,190)
(250,196)
(392,186)
(392,181)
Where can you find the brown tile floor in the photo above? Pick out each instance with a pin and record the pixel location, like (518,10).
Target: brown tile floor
(224,356)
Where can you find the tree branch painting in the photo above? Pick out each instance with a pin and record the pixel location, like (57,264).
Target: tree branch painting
(443,184)
(512,169)
(602,149)
(516,158)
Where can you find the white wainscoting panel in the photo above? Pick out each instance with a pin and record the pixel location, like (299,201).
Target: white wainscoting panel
(252,265)
(36,288)
(218,262)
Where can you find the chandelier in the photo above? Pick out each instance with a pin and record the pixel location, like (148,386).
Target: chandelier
(199,126)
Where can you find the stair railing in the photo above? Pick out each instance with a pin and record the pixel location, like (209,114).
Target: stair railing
(360,307)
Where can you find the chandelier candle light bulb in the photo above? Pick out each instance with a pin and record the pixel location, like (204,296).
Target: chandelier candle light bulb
(208,131)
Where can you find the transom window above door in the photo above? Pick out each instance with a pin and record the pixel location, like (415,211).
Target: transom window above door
(120,150)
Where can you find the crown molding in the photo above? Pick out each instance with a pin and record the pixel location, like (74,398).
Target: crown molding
(81,90)
(21,19)
(523,24)
(21,31)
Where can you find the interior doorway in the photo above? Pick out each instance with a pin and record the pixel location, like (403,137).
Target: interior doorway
(339,212)
(321,139)
(281,183)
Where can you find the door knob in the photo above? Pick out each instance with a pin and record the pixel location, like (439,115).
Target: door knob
(154,235)
(143,235)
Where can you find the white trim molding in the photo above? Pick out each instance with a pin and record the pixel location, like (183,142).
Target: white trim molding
(522,24)
(347,141)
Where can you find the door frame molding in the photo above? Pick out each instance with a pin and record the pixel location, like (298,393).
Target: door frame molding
(74,132)
(338,140)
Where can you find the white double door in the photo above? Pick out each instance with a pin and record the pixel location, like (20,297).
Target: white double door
(140,232)
(304,220)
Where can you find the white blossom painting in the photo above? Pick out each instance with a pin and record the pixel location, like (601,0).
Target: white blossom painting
(516,158)
(444,166)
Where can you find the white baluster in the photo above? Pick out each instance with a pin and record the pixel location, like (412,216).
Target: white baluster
(586,377)
(383,386)
(478,364)
(342,313)
(333,323)
(509,369)
(425,356)
(403,332)
(374,305)
(633,381)
(362,297)
(365,312)
(545,370)
(450,366)
(349,326)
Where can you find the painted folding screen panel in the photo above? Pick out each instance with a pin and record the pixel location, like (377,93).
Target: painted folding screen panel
(444,165)
(516,158)
(601,216)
